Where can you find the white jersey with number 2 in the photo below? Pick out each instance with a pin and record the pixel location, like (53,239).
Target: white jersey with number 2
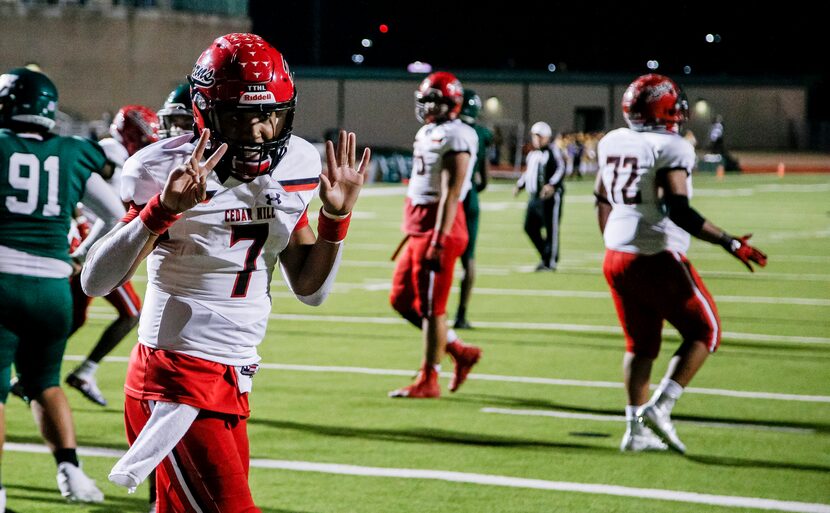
(630,162)
(432,142)
(209,277)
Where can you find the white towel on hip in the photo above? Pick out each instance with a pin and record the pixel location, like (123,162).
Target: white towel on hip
(166,426)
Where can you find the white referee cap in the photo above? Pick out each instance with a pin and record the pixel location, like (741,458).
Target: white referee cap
(541,128)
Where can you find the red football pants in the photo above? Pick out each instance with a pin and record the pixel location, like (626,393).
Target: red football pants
(207,472)
(648,289)
(417,288)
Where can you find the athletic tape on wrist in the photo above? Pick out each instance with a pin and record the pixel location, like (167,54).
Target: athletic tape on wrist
(156,217)
(330,229)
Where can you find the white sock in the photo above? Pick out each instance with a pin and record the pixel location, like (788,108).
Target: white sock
(452,336)
(87,369)
(631,412)
(668,393)
(2,500)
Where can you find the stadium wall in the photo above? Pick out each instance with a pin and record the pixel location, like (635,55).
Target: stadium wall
(101,59)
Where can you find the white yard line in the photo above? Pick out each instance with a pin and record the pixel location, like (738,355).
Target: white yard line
(510,379)
(491,480)
(579,294)
(621,418)
(530,326)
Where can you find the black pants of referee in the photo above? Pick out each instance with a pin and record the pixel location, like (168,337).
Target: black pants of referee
(545,214)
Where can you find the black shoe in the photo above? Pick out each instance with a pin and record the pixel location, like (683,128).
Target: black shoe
(462,324)
(543,267)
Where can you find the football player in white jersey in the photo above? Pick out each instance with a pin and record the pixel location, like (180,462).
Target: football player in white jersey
(132,128)
(643,191)
(213,230)
(443,160)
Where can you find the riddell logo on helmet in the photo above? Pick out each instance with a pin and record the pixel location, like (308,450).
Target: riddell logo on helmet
(256,98)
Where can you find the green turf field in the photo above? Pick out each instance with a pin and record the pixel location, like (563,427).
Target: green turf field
(538,425)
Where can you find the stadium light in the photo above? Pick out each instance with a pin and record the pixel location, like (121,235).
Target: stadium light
(492,106)
(419,67)
(383,28)
(357,58)
(366,43)
(702,108)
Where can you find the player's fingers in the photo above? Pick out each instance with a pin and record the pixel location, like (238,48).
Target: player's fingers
(364,161)
(216,157)
(200,146)
(342,148)
(352,148)
(325,184)
(330,156)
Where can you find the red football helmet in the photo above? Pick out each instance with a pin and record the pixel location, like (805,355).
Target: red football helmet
(242,73)
(135,126)
(438,98)
(655,101)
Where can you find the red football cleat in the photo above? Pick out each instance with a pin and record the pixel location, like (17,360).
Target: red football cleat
(425,386)
(465,357)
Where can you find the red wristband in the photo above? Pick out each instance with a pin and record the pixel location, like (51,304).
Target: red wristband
(156,217)
(332,230)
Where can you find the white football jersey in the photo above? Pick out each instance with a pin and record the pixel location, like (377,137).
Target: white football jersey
(208,282)
(432,142)
(629,164)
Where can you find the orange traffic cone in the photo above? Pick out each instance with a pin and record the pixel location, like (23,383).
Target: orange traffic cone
(782,169)
(720,172)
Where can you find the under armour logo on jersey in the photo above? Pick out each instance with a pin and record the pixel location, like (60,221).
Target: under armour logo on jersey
(273,199)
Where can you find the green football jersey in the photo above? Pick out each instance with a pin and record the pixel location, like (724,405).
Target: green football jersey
(485,140)
(41,181)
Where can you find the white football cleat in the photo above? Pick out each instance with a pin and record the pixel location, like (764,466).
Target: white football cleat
(76,486)
(659,420)
(638,438)
(87,386)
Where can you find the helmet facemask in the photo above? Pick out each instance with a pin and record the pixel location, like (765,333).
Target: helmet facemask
(252,151)
(431,107)
(176,115)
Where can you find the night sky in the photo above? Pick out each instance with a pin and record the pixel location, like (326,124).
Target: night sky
(576,36)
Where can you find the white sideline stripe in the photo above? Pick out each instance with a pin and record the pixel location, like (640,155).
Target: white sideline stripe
(491,480)
(539,484)
(584,294)
(530,326)
(542,326)
(621,418)
(510,379)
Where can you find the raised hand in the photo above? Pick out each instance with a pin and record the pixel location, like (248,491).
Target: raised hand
(340,182)
(186,185)
(741,250)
